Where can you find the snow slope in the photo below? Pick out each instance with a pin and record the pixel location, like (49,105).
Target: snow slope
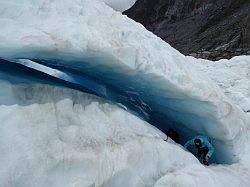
(171,93)
(53,136)
(232,76)
(59,137)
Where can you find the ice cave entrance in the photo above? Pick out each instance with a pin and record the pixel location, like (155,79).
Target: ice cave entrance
(147,96)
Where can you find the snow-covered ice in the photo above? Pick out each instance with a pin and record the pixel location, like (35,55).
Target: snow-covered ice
(55,136)
(59,137)
(176,93)
(233,76)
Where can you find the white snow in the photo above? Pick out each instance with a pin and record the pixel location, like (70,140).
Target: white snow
(233,76)
(51,29)
(52,136)
(59,137)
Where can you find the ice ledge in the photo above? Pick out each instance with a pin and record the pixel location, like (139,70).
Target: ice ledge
(141,70)
(148,96)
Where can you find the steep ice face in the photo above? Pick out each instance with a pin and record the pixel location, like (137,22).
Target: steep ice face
(54,136)
(140,71)
(58,137)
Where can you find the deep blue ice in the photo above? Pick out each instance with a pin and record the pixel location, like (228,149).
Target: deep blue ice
(140,94)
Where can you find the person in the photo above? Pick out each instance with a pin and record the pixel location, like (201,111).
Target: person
(204,147)
(173,135)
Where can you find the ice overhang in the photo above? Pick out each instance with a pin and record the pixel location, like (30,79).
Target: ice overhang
(148,95)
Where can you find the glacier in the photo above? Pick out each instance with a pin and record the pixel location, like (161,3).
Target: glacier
(235,76)
(57,136)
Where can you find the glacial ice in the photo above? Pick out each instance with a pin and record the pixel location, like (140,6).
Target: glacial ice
(55,136)
(235,79)
(155,78)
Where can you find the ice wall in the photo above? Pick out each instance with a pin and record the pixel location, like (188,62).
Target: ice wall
(132,67)
(53,136)
(137,96)
(60,137)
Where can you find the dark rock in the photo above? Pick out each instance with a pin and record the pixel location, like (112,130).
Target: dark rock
(192,26)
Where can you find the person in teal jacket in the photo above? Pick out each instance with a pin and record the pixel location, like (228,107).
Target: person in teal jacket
(203,145)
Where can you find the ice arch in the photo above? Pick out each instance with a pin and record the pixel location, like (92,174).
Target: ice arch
(88,46)
(156,101)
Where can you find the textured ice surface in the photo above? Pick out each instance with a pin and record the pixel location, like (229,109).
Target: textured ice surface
(103,44)
(53,136)
(88,46)
(233,76)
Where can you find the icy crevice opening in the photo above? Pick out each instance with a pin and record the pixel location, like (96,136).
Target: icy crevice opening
(54,136)
(152,99)
(118,58)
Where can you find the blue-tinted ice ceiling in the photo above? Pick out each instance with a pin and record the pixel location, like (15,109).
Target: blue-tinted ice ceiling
(146,95)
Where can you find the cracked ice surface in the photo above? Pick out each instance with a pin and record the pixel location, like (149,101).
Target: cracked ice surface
(54,136)
(104,44)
